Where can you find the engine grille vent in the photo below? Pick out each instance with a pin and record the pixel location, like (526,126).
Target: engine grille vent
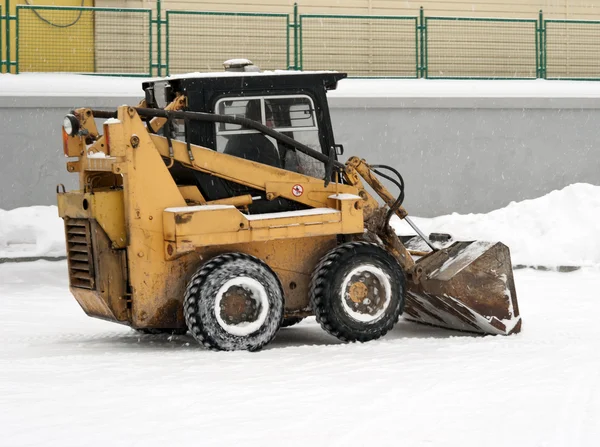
(79,253)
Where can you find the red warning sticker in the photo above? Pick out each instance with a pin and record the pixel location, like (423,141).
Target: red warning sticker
(297,190)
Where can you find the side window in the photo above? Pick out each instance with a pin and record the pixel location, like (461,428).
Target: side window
(292,115)
(242,108)
(295,117)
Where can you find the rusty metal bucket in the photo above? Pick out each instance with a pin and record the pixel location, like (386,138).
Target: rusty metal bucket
(467,286)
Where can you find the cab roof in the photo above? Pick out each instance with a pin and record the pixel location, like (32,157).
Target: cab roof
(266,79)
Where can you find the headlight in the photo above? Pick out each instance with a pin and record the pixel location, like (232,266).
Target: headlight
(71,125)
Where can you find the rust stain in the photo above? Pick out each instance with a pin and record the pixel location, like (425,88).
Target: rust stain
(183,218)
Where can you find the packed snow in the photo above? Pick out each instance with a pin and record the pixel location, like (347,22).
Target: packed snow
(558,229)
(70,380)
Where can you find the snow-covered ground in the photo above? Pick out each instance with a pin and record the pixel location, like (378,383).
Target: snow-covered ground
(69,380)
(559,229)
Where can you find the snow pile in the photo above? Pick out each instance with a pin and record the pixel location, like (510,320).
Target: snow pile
(33,231)
(561,228)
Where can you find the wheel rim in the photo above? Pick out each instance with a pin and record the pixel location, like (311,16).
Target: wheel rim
(241,306)
(366,293)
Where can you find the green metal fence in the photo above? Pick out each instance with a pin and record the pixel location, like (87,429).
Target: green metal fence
(572,49)
(84,40)
(373,46)
(467,48)
(2,47)
(201,41)
(130,42)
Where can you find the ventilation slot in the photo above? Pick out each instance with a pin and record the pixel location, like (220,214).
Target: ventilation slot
(79,246)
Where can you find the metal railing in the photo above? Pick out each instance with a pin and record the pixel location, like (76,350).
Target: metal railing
(201,41)
(472,48)
(373,46)
(571,49)
(133,42)
(84,40)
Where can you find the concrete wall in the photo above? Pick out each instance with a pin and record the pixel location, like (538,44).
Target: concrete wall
(31,153)
(456,154)
(469,160)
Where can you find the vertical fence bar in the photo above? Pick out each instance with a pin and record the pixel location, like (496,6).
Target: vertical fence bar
(7,34)
(300,49)
(296,49)
(1,42)
(150,43)
(425,50)
(542,46)
(159,37)
(287,39)
(168,42)
(537,48)
(16,46)
(421,47)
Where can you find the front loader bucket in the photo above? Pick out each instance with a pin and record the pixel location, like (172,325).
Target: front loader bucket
(467,286)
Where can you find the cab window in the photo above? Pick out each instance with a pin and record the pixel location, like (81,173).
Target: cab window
(292,115)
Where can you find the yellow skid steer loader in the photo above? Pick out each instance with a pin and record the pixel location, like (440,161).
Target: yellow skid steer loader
(218,206)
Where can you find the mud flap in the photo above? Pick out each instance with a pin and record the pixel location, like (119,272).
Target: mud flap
(467,286)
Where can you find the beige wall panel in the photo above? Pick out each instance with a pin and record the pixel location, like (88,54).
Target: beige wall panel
(360,48)
(573,9)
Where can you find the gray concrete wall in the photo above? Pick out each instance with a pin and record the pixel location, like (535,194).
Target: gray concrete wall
(456,154)
(31,153)
(470,160)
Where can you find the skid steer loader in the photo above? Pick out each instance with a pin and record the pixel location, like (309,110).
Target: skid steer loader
(218,205)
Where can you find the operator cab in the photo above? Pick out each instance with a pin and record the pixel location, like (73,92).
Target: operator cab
(292,103)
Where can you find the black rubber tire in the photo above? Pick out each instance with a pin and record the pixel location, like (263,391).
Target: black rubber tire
(291,321)
(201,293)
(326,284)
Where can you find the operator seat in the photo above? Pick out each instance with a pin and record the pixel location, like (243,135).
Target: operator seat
(253,146)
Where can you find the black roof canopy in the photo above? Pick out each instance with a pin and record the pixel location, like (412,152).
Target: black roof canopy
(241,83)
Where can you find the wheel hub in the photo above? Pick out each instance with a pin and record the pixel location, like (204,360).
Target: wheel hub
(238,306)
(365,293)
(358,292)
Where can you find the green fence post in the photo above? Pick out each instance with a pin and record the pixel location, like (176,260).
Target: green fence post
(1,43)
(425,50)
(537,49)
(541,46)
(542,41)
(16,45)
(421,46)
(168,55)
(296,25)
(150,43)
(7,35)
(158,37)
